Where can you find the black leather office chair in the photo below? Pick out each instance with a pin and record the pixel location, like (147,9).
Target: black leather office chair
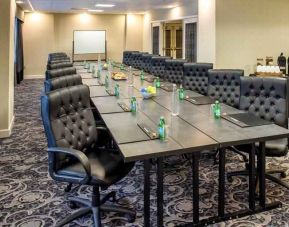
(224,85)
(127,57)
(59,65)
(266,98)
(158,66)
(57,55)
(74,155)
(196,77)
(62,82)
(51,74)
(58,60)
(174,71)
(146,62)
(138,59)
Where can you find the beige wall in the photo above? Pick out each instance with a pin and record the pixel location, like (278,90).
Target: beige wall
(134,32)
(7,20)
(247,30)
(45,33)
(38,41)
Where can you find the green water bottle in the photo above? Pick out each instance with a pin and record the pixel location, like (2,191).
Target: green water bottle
(133,104)
(88,67)
(121,67)
(106,81)
(217,110)
(158,82)
(84,64)
(93,70)
(181,93)
(142,75)
(162,129)
(116,90)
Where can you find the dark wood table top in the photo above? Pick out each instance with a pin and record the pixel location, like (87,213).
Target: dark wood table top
(194,129)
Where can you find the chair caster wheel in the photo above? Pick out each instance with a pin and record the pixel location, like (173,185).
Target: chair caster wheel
(68,188)
(73,205)
(131,218)
(283,175)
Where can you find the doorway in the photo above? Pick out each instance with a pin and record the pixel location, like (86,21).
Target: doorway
(173,39)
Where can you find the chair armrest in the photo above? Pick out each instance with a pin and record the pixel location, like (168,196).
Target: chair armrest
(80,156)
(101,128)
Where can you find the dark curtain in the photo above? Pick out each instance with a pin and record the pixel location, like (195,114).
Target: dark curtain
(19,58)
(156,35)
(191,42)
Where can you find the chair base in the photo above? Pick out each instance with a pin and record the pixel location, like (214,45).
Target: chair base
(95,207)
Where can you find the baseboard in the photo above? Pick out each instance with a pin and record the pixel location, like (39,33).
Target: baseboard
(29,77)
(7,132)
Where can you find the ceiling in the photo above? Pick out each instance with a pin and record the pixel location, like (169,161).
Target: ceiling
(121,6)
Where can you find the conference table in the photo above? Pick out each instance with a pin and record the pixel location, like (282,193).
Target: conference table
(192,131)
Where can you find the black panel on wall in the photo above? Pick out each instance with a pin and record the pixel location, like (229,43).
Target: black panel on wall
(191,42)
(156,35)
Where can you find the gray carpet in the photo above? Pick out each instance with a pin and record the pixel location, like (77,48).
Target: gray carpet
(30,198)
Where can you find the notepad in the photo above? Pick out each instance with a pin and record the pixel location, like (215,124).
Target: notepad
(167,87)
(245,120)
(203,100)
(149,132)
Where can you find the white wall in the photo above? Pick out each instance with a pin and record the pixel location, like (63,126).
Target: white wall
(207,31)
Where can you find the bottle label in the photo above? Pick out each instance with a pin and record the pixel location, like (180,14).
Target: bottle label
(162,132)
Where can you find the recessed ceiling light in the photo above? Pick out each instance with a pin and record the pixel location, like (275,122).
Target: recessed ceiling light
(105,5)
(95,10)
(19,2)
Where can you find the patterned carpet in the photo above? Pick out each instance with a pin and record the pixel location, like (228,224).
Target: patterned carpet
(30,198)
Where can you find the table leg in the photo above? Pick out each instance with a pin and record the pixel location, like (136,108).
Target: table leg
(195,168)
(147,166)
(160,196)
(252,178)
(262,169)
(221,197)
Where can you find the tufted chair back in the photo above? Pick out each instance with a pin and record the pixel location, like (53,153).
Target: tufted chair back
(266,98)
(62,82)
(68,120)
(58,60)
(196,77)
(58,55)
(59,65)
(174,71)
(138,59)
(50,74)
(127,57)
(224,85)
(158,66)
(146,62)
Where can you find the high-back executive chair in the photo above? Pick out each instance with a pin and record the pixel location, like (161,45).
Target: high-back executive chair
(174,70)
(266,98)
(196,77)
(224,85)
(62,82)
(158,65)
(54,73)
(73,152)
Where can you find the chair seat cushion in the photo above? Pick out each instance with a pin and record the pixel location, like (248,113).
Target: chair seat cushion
(106,168)
(274,148)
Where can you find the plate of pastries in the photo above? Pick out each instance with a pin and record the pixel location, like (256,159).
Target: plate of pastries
(118,76)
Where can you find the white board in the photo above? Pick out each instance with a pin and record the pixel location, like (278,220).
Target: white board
(89,42)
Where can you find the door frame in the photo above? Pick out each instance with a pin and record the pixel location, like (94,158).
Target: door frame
(185,20)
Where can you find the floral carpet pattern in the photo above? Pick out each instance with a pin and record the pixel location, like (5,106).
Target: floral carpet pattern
(30,198)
